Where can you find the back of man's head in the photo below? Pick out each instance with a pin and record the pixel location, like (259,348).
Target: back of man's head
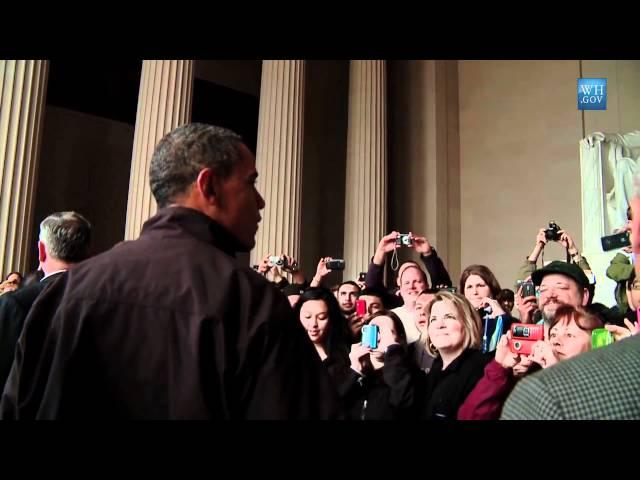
(184,152)
(66,236)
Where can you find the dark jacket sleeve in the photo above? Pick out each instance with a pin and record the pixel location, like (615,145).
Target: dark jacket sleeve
(280,371)
(347,384)
(436,269)
(486,399)
(11,318)
(375,276)
(402,378)
(26,386)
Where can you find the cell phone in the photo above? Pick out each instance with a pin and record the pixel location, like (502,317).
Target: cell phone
(361,308)
(618,240)
(524,336)
(601,337)
(335,264)
(370,336)
(362,276)
(528,289)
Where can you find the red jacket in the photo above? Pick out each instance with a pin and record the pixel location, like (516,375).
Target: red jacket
(488,396)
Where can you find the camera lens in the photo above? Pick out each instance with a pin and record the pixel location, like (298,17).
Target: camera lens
(517,345)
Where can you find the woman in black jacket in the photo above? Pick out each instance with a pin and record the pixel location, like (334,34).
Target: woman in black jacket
(380,384)
(320,315)
(453,335)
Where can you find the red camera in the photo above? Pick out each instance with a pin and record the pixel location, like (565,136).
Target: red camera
(361,308)
(523,336)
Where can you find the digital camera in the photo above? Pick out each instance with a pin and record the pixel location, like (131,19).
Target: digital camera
(276,261)
(361,308)
(528,288)
(552,233)
(370,336)
(362,276)
(335,264)
(601,337)
(524,336)
(404,240)
(618,240)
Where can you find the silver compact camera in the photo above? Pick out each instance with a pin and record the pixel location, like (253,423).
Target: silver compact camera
(276,261)
(404,240)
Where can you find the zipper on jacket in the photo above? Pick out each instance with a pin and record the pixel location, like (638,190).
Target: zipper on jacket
(364,408)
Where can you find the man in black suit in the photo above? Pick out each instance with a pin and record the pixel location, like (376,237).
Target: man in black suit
(64,240)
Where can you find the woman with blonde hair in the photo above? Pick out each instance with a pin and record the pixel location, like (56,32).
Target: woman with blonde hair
(453,336)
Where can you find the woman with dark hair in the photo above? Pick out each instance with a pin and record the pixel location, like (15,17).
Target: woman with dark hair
(11,283)
(479,285)
(320,315)
(383,382)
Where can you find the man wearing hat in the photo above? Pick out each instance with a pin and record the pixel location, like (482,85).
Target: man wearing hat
(560,283)
(599,385)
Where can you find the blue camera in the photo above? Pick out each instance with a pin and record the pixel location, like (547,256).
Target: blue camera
(370,336)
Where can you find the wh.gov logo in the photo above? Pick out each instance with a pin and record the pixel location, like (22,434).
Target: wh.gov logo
(592,94)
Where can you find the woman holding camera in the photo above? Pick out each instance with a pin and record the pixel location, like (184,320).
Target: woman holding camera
(479,285)
(569,335)
(383,383)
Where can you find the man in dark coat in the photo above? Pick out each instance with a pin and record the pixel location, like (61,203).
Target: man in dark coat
(63,241)
(170,326)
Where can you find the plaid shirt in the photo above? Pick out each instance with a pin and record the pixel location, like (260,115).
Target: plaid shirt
(603,384)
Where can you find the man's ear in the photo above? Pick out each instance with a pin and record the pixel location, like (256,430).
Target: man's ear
(206,184)
(42,252)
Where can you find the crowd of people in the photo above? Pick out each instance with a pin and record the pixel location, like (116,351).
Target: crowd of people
(171,326)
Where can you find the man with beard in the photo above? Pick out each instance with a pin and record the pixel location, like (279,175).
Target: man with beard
(560,283)
(599,385)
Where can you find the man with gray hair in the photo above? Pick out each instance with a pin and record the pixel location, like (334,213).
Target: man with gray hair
(63,241)
(170,326)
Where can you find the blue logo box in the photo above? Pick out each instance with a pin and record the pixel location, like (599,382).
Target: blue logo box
(592,94)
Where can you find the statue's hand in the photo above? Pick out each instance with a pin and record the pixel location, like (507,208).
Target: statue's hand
(596,137)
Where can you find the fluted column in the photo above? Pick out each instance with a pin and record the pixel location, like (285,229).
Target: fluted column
(279,157)
(366,180)
(164,103)
(23,86)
